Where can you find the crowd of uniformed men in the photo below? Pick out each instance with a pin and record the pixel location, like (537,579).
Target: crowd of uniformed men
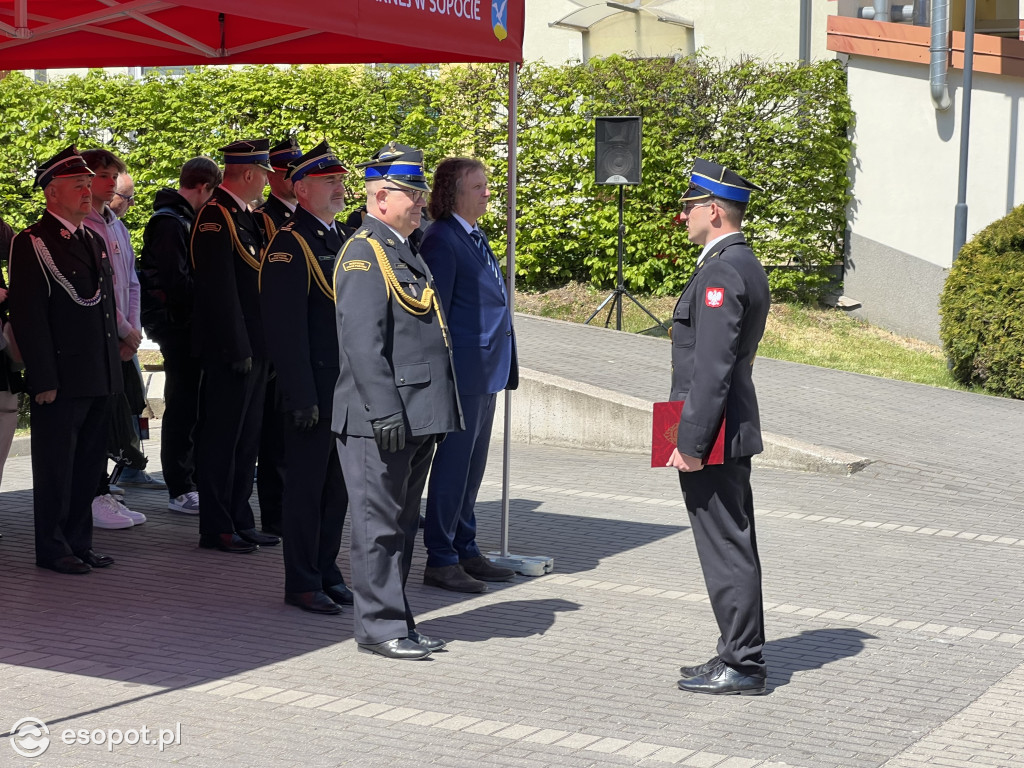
(340,358)
(312,355)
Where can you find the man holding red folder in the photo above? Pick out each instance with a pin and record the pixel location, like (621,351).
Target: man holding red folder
(716,327)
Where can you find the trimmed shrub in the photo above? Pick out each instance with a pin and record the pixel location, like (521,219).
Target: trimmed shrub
(982,309)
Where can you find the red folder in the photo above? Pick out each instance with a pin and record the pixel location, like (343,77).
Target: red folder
(666,432)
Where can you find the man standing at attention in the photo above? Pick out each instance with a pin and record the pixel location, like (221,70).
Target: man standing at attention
(62,305)
(168,297)
(273,214)
(472,291)
(226,249)
(716,327)
(302,341)
(394,399)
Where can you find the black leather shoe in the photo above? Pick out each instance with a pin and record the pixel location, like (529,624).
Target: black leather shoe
(430,643)
(453,578)
(95,560)
(226,542)
(480,567)
(402,648)
(723,679)
(67,564)
(259,539)
(314,602)
(340,594)
(273,529)
(700,669)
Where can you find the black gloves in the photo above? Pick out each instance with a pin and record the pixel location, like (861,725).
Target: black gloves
(305,419)
(389,432)
(242,366)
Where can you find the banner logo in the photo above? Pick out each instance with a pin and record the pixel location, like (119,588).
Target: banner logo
(499,18)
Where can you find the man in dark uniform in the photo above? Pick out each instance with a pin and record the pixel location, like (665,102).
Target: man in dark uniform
(62,307)
(394,399)
(297,300)
(271,216)
(226,248)
(716,327)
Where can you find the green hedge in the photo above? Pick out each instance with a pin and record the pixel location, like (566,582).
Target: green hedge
(783,126)
(982,308)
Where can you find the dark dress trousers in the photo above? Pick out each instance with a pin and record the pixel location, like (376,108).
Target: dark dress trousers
(73,349)
(270,474)
(226,248)
(297,300)
(470,286)
(716,327)
(168,296)
(394,359)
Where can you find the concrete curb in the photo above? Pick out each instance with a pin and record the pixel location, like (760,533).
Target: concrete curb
(556,411)
(551,410)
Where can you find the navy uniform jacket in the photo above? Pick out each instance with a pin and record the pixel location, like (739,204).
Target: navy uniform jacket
(226,248)
(483,342)
(65,346)
(716,327)
(271,216)
(298,311)
(392,360)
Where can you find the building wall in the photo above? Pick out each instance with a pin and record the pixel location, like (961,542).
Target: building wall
(727,28)
(905,179)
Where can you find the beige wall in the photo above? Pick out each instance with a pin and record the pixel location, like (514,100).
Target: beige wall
(907,155)
(727,28)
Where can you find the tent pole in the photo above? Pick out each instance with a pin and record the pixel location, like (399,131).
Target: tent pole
(510,272)
(528,565)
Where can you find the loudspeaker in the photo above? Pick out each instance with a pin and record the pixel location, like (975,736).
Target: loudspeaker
(617,150)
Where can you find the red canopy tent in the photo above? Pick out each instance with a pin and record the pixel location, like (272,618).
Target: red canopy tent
(55,34)
(49,34)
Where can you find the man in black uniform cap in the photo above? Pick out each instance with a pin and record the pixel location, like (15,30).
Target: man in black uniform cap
(297,300)
(716,327)
(395,397)
(274,213)
(226,250)
(62,307)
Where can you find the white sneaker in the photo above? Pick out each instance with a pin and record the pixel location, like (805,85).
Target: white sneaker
(137,518)
(107,514)
(187,503)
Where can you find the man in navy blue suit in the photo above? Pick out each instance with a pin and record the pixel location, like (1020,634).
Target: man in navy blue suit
(472,291)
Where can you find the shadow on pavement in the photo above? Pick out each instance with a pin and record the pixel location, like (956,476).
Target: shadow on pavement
(514,618)
(811,649)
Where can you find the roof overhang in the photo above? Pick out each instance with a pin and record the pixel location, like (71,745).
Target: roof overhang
(585,18)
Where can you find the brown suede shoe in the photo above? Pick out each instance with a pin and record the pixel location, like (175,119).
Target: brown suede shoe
(453,578)
(480,567)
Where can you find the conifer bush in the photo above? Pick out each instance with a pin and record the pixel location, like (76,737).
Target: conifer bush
(982,309)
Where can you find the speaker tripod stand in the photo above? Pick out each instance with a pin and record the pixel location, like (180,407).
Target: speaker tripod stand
(615,297)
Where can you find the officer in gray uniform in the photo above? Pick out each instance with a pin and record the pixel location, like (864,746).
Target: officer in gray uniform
(297,301)
(716,327)
(394,399)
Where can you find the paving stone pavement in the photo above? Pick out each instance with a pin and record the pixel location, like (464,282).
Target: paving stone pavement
(893,600)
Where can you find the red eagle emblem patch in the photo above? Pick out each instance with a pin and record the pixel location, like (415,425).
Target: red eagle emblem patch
(713,297)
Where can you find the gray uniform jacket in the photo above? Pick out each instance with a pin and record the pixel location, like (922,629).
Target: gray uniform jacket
(394,356)
(716,327)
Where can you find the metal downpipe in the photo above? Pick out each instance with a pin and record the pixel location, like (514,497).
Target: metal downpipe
(938,65)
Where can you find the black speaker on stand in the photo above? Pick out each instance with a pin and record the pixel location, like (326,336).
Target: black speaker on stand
(617,161)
